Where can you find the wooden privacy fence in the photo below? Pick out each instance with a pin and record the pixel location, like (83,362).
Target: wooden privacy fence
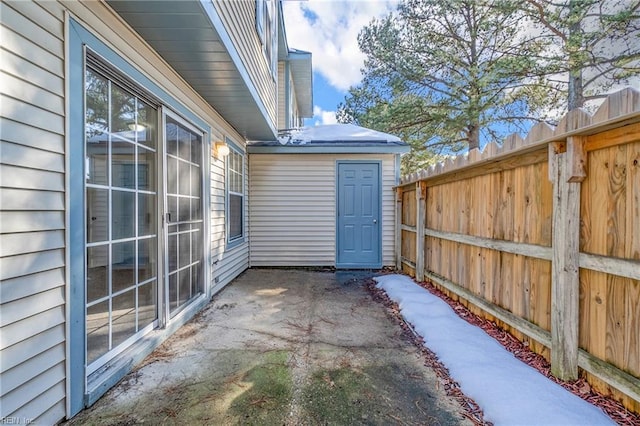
(542,235)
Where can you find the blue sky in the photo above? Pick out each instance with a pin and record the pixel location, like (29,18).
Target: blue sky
(329,30)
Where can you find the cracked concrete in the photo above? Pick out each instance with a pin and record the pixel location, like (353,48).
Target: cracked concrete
(282,346)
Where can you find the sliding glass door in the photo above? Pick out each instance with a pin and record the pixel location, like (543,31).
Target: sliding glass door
(121,195)
(137,172)
(184,219)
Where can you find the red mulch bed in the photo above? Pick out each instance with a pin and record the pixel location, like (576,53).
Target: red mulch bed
(580,387)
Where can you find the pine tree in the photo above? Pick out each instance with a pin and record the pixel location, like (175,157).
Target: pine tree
(446,75)
(590,46)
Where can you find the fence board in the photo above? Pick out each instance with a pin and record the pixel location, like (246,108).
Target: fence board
(409,208)
(489,238)
(617,201)
(565,280)
(632,248)
(616,324)
(631,336)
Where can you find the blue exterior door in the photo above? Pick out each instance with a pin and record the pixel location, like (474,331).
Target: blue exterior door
(358,216)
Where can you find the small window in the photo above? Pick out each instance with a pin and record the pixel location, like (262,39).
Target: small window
(235,195)
(260,18)
(266,27)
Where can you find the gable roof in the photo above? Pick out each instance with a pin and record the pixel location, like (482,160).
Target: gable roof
(331,138)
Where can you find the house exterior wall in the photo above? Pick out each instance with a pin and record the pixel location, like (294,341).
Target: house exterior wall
(34,209)
(32,216)
(292,214)
(282,96)
(288,111)
(228,262)
(294,112)
(239,17)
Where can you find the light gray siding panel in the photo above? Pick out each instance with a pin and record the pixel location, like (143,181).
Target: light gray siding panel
(32,264)
(31,94)
(35,20)
(21,24)
(21,136)
(13,244)
(294,110)
(19,177)
(41,77)
(30,221)
(27,285)
(13,401)
(272,214)
(235,262)
(31,52)
(239,20)
(20,199)
(52,397)
(16,110)
(279,200)
(53,8)
(282,103)
(287,185)
(13,378)
(24,264)
(292,210)
(24,156)
(311,234)
(218,214)
(31,346)
(23,308)
(14,333)
(229,262)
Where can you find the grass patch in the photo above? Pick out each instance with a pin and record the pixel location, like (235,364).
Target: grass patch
(341,396)
(266,400)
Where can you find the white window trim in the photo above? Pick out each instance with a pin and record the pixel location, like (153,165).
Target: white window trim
(260,19)
(232,242)
(267,21)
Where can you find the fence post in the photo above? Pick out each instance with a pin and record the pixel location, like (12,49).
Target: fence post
(399,228)
(421,192)
(567,171)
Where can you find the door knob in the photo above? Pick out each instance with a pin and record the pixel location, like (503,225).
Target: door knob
(375,220)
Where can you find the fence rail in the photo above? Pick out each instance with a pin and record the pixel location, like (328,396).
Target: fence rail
(542,235)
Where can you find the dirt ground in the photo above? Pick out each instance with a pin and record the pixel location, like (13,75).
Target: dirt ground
(283,347)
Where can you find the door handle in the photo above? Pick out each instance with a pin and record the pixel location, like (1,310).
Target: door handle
(375,220)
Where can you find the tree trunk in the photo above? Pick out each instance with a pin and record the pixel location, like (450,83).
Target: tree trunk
(575,96)
(474,136)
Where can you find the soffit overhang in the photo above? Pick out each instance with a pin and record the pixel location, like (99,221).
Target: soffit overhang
(191,38)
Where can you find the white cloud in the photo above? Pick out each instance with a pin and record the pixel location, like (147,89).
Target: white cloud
(329,29)
(321,116)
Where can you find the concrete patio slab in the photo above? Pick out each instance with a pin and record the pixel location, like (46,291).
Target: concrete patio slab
(279,346)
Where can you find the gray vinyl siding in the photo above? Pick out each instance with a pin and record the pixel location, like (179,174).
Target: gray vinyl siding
(288,115)
(33,249)
(292,212)
(228,263)
(239,19)
(282,97)
(294,111)
(32,205)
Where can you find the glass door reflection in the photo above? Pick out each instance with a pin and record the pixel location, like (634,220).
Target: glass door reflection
(121,218)
(184,214)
